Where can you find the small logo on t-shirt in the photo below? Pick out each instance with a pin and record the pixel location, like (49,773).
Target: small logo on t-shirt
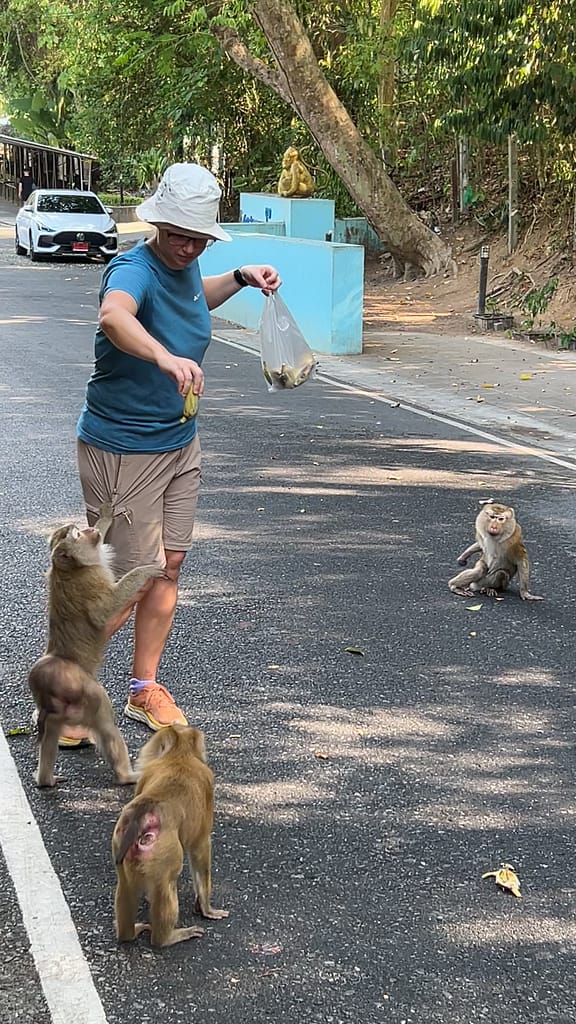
(196,297)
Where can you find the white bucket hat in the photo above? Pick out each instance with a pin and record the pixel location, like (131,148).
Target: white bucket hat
(188,197)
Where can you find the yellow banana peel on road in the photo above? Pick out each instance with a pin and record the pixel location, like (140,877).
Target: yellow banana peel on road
(506,878)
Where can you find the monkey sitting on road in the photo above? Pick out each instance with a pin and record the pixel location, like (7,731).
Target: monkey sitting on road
(82,597)
(502,555)
(170,815)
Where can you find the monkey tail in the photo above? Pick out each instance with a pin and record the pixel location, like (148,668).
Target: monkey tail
(132,825)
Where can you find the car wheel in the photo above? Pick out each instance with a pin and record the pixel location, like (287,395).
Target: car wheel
(20,250)
(34,256)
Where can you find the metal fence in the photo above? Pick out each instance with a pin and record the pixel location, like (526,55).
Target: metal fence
(51,167)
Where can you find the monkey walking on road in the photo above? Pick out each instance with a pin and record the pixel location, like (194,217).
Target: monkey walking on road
(171,814)
(82,598)
(502,554)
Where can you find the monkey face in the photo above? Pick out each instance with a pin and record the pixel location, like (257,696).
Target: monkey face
(71,546)
(496,518)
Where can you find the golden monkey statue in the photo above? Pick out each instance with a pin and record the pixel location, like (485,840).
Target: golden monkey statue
(295,179)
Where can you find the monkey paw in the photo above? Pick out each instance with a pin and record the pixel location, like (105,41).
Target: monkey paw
(49,781)
(155,572)
(211,912)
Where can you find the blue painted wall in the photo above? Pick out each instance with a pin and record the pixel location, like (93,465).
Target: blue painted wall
(323,285)
(357,231)
(304,218)
(273,227)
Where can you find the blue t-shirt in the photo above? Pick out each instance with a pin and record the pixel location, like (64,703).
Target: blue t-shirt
(131,406)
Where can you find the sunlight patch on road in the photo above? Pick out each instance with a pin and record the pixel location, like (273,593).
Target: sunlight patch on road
(512,929)
(17,320)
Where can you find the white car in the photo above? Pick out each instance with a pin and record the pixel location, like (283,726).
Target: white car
(65,222)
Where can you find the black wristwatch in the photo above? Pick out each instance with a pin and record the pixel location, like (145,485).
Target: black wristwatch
(240,279)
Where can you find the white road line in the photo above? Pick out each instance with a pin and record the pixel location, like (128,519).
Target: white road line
(62,967)
(518,446)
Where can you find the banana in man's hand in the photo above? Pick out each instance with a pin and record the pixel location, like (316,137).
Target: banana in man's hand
(190,406)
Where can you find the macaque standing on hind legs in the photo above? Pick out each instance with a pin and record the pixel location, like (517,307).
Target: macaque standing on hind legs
(82,598)
(170,815)
(502,554)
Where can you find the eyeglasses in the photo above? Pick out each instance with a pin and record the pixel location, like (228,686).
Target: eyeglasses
(178,240)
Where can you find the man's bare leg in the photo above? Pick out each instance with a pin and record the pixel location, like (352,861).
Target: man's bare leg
(152,625)
(153,704)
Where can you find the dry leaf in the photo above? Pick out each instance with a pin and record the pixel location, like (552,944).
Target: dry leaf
(473,607)
(354,650)
(525,376)
(479,399)
(472,634)
(490,385)
(321,755)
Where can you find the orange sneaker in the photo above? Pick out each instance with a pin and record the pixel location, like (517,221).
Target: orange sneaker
(154,706)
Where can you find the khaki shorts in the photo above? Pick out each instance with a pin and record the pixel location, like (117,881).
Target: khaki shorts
(153,498)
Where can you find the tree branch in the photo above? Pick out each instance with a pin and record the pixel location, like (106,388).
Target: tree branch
(237,50)
(25,64)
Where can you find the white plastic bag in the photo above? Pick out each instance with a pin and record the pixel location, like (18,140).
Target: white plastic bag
(287,360)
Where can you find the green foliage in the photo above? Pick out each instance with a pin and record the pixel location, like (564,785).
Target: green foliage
(143,82)
(115,199)
(498,66)
(538,300)
(567,339)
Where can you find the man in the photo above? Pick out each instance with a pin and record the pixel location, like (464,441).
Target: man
(135,447)
(26,185)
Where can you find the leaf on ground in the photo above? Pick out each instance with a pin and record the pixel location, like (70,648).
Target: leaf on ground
(490,385)
(473,607)
(354,650)
(525,376)
(321,755)
(472,634)
(479,398)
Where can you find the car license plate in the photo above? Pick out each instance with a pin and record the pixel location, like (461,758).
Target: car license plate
(79,246)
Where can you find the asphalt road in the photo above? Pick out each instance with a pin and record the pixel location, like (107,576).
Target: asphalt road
(353,878)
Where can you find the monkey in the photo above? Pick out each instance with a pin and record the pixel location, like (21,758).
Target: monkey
(170,814)
(82,597)
(502,554)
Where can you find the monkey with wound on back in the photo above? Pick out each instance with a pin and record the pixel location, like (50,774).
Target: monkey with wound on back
(82,598)
(171,814)
(502,554)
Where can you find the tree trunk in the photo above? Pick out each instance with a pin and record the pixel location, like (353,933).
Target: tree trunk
(299,80)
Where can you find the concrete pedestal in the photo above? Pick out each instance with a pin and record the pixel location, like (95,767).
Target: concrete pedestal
(304,218)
